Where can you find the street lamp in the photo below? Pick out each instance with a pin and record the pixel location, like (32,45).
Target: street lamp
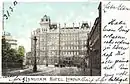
(46,51)
(35,60)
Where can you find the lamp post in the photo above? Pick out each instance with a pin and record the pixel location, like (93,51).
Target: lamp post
(35,60)
(46,51)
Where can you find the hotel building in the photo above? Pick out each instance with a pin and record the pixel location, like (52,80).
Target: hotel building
(60,44)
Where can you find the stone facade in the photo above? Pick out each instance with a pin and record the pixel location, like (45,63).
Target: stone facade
(56,43)
(28,58)
(12,41)
(95,42)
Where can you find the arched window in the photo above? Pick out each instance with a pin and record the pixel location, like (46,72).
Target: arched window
(46,19)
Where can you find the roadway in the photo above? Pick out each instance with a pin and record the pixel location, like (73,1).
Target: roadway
(53,71)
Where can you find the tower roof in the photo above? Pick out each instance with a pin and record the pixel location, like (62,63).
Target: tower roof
(45,18)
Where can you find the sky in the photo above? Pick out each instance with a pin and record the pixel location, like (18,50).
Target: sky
(27,15)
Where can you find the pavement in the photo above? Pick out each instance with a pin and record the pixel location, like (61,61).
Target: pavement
(42,70)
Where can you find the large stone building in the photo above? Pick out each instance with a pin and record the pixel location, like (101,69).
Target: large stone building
(95,42)
(60,44)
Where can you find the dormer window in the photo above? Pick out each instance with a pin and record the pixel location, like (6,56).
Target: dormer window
(85,25)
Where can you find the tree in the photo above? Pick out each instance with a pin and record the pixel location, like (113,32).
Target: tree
(20,55)
(9,54)
(11,57)
(12,53)
(21,51)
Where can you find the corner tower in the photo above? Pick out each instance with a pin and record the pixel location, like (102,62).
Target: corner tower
(45,23)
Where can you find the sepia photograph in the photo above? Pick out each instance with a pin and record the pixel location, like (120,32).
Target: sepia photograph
(51,39)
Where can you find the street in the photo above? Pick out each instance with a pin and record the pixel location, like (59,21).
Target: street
(53,71)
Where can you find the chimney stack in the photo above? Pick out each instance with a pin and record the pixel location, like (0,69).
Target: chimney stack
(65,25)
(73,25)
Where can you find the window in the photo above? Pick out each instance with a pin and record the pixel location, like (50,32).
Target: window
(77,53)
(74,53)
(69,53)
(68,47)
(77,47)
(46,19)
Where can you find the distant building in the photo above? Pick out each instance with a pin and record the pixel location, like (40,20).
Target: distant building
(12,41)
(28,58)
(60,44)
(95,42)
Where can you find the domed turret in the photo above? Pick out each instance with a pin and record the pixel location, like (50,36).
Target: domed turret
(45,23)
(45,18)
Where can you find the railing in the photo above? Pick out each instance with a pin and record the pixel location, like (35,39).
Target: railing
(12,65)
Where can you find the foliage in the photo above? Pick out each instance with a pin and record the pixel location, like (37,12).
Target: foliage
(21,51)
(5,49)
(11,55)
